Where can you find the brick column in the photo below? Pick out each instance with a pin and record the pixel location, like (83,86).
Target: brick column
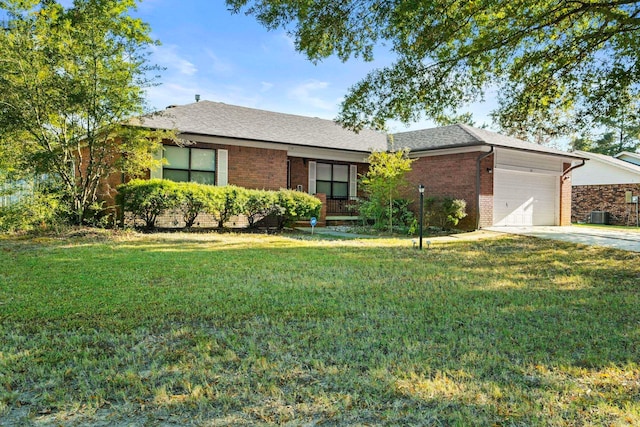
(565,197)
(322,219)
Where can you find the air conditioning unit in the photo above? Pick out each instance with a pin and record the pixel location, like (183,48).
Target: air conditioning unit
(599,217)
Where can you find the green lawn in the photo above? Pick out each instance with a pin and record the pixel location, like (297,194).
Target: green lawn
(210,329)
(609,227)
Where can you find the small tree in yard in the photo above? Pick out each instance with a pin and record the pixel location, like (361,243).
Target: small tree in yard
(69,79)
(384,182)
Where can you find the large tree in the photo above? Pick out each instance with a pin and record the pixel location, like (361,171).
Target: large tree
(556,65)
(69,78)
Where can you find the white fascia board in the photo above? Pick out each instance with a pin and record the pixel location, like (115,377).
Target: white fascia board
(528,170)
(447,151)
(542,154)
(291,149)
(327,154)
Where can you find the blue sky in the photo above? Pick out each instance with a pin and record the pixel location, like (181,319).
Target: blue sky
(230,58)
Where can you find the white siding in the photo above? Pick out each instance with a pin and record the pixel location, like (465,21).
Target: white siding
(524,161)
(595,172)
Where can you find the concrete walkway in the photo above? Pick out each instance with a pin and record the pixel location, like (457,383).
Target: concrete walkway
(326,231)
(594,236)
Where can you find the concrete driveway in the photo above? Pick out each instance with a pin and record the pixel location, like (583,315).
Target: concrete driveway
(613,238)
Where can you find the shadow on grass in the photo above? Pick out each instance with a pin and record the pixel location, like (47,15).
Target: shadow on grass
(506,331)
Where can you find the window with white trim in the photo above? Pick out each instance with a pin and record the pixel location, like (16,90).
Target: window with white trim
(332,180)
(188,164)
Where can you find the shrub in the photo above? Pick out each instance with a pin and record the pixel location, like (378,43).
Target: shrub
(294,205)
(401,216)
(192,200)
(259,204)
(147,199)
(229,201)
(444,212)
(38,211)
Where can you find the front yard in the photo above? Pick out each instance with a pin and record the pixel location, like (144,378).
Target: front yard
(215,329)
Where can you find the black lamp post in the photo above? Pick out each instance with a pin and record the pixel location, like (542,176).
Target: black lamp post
(421,190)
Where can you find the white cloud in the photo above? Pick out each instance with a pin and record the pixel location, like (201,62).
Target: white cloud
(304,94)
(220,66)
(265,86)
(167,56)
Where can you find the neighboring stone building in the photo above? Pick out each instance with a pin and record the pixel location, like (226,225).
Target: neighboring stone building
(604,186)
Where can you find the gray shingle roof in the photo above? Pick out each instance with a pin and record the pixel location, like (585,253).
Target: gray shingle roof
(231,121)
(218,119)
(460,135)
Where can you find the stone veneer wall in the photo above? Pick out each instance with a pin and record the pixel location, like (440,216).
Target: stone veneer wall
(607,198)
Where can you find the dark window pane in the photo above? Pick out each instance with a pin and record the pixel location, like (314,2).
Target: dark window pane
(340,190)
(175,175)
(203,177)
(323,187)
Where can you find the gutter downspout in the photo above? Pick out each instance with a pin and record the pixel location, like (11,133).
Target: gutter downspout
(564,177)
(480,158)
(570,168)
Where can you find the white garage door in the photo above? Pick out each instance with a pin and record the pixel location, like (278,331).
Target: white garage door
(522,198)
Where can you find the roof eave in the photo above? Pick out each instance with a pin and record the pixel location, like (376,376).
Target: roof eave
(488,144)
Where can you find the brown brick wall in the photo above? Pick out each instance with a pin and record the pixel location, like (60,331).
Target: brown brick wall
(454,175)
(250,167)
(257,167)
(607,198)
(299,173)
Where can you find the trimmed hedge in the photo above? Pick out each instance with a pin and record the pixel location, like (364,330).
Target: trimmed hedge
(149,199)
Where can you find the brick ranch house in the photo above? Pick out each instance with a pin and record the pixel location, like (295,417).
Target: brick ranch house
(505,181)
(603,187)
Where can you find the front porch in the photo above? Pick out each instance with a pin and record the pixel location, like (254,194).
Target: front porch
(342,211)
(345,207)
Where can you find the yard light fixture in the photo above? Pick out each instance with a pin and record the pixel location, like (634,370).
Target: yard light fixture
(421,191)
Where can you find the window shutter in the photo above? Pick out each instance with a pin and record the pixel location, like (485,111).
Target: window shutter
(156,173)
(353,181)
(312,177)
(223,171)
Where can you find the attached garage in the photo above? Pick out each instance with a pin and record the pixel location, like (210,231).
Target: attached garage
(526,189)
(522,198)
